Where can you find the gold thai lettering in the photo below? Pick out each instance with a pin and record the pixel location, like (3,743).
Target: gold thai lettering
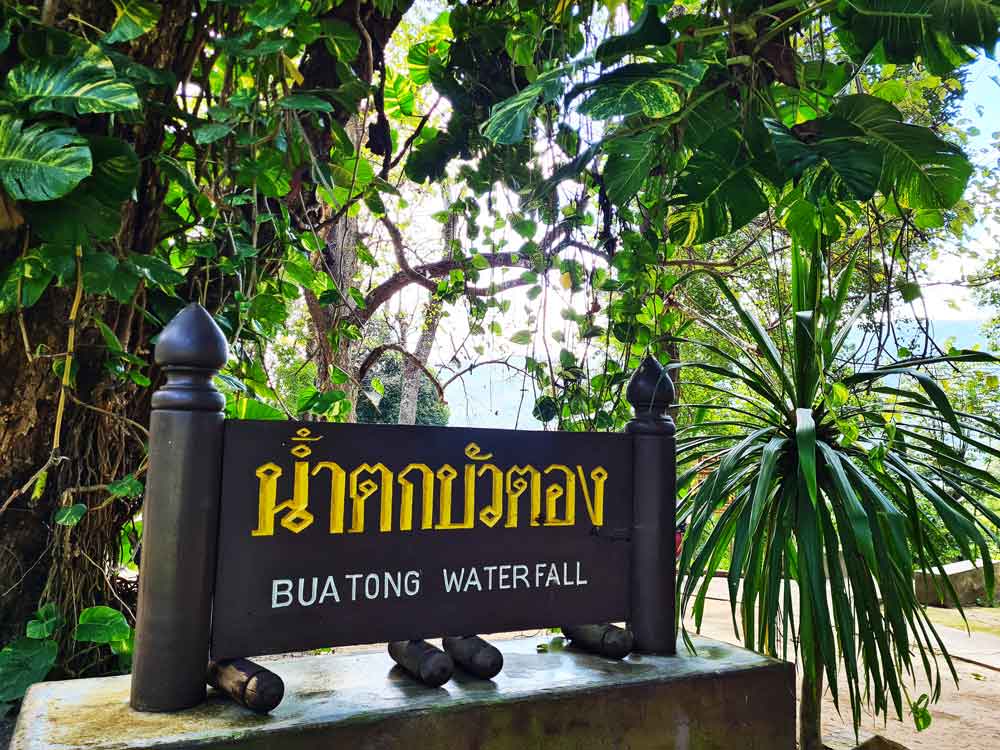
(446,476)
(516,485)
(338,483)
(298,518)
(554,492)
(491,514)
(406,497)
(595,502)
(361,491)
(513,492)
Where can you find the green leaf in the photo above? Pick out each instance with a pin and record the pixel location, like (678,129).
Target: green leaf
(903,30)
(133,18)
(920,170)
(98,270)
(211,132)
(546,409)
(45,623)
(24,662)
(649,88)
(102,625)
(509,119)
(92,211)
(59,260)
(378,387)
(521,338)
(308,102)
(81,86)
(127,486)
(271,15)
(71,515)
(176,170)
(910,290)
(805,441)
(629,163)
(649,30)
(832,154)
(341,39)
(156,270)
(717,193)
(249,408)
(39,164)
(427,60)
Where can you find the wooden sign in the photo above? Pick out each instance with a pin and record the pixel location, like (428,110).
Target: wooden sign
(334,534)
(266,537)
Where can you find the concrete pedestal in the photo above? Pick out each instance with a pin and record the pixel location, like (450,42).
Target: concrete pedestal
(725,698)
(967,578)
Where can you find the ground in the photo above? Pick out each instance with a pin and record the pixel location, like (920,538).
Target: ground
(965,717)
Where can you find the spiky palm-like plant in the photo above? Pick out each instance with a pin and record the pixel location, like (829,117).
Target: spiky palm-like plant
(830,485)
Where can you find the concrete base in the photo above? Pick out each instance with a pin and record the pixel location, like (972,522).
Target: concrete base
(725,698)
(845,739)
(966,577)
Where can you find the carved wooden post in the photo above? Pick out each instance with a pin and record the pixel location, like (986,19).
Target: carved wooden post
(654,510)
(180,517)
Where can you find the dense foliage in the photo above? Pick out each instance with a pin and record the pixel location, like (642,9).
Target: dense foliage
(532,181)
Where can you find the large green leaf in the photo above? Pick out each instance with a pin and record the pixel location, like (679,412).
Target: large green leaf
(426,60)
(102,625)
(629,163)
(24,662)
(38,163)
(717,193)
(650,88)
(133,18)
(509,119)
(86,85)
(649,30)
(920,169)
(271,15)
(932,29)
(832,157)
(92,211)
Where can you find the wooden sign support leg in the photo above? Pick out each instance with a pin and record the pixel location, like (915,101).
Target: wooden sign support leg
(604,640)
(654,510)
(422,660)
(180,517)
(475,655)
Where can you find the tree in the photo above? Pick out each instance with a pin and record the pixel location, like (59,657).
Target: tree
(389,374)
(777,121)
(268,158)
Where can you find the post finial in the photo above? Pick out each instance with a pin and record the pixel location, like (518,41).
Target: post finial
(651,392)
(192,349)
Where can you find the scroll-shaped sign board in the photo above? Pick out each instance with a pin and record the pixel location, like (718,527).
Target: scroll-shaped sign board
(335,534)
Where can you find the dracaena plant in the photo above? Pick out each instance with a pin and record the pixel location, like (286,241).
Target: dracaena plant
(830,484)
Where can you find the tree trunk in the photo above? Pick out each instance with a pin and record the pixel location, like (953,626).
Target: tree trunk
(339,258)
(413,376)
(99,441)
(811,708)
(41,561)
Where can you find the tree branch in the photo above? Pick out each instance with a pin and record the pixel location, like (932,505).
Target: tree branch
(377,353)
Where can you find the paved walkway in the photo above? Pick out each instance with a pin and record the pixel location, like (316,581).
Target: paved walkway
(967,717)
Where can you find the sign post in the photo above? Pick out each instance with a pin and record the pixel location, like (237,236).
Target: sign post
(654,512)
(270,537)
(180,517)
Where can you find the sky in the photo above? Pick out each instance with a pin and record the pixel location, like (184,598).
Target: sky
(980,110)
